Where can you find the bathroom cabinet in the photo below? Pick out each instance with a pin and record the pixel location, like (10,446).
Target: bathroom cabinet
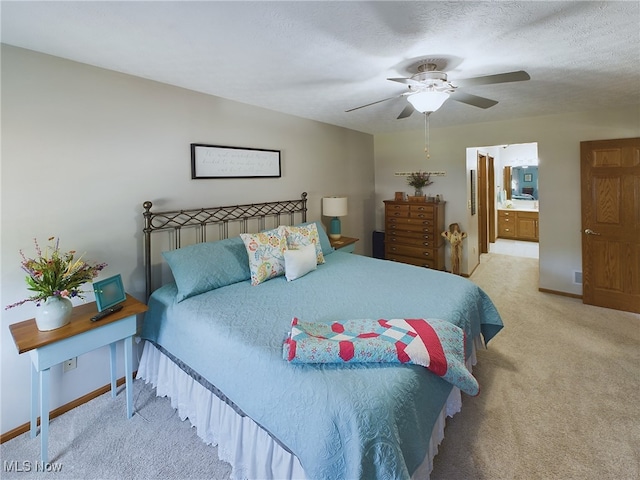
(518,225)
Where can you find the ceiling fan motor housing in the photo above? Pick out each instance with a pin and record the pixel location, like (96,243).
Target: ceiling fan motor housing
(430,79)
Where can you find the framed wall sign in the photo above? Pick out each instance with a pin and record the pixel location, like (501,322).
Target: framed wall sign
(527,177)
(109,292)
(214,161)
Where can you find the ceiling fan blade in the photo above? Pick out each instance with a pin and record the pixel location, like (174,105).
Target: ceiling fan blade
(407,81)
(474,100)
(406,112)
(369,104)
(519,76)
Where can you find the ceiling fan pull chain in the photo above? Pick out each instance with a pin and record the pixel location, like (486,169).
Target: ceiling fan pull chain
(426,135)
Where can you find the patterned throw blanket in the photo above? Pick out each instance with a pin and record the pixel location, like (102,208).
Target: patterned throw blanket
(435,344)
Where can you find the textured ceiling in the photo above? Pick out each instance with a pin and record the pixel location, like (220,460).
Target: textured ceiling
(318,59)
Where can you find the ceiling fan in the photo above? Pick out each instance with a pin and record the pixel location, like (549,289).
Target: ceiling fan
(429,88)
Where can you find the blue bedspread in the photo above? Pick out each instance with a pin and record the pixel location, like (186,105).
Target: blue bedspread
(342,422)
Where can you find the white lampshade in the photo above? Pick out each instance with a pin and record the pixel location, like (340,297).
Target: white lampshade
(334,206)
(428,101)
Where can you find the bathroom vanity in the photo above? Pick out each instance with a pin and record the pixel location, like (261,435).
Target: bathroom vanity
(518,224)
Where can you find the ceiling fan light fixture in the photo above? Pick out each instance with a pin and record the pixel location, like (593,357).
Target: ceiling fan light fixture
(428,101)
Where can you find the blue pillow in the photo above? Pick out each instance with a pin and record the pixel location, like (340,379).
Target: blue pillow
(324,239)
(207,266)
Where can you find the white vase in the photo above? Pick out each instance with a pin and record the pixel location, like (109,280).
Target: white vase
(54,313)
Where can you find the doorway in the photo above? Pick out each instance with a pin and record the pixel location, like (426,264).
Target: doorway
(507,180)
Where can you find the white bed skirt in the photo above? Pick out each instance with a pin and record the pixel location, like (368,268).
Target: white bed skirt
(252,452)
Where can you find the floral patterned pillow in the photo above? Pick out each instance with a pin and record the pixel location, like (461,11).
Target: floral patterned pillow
(301,236)
(266,254)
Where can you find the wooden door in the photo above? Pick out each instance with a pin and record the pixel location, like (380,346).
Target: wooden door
(610,179)
(482,204)
(491,199)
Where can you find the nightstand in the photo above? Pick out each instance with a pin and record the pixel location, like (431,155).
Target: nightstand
(344,244)
(80,336)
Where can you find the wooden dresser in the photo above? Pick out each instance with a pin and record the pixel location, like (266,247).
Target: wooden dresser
(413,233)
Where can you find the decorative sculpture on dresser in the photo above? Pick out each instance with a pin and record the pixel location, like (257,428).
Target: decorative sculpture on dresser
(455,237)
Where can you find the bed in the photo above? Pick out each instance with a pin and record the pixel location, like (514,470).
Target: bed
(214,345)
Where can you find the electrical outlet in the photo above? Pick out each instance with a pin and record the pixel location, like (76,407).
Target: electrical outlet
(69,364)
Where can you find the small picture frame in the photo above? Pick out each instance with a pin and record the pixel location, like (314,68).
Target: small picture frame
(399,197)
(109,292)
(528,177)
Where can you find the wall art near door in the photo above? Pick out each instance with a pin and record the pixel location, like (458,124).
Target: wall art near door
(214,161)
(473,192)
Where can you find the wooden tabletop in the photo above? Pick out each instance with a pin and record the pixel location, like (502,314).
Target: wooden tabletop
(343,241)
(26,335)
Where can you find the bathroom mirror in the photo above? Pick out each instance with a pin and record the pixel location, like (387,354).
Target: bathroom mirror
(524,182)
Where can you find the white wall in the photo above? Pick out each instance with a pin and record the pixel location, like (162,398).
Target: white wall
(83,148)
(558,138)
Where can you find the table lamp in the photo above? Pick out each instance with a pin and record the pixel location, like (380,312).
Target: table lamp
(334,207)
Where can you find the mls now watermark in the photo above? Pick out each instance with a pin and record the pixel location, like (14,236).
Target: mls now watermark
(27,466)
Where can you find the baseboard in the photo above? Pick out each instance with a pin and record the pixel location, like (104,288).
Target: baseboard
(62,409)
(564,294)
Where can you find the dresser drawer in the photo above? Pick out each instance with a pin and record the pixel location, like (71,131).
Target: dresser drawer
(420,262)
(425,241)
(398,215)
(427,222)
(422,215)
(408,229)
(410,251)
(505,213)
(422,209)
(396,210)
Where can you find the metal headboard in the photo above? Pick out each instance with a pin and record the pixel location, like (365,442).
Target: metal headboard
(201,218)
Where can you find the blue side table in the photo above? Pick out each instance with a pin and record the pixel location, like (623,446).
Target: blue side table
(344,244)
(80,336)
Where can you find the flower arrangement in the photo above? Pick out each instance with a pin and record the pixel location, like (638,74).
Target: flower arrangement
(419,180)
(53,273)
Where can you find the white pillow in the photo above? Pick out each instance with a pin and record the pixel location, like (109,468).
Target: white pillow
(298,263)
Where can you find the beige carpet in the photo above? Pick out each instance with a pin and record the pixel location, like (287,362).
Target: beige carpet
(560,400)
(560,394)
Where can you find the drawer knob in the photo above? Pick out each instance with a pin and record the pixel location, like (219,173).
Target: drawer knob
(426,254)
(426,244)
(421,215)
(397,213)
(393,248)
